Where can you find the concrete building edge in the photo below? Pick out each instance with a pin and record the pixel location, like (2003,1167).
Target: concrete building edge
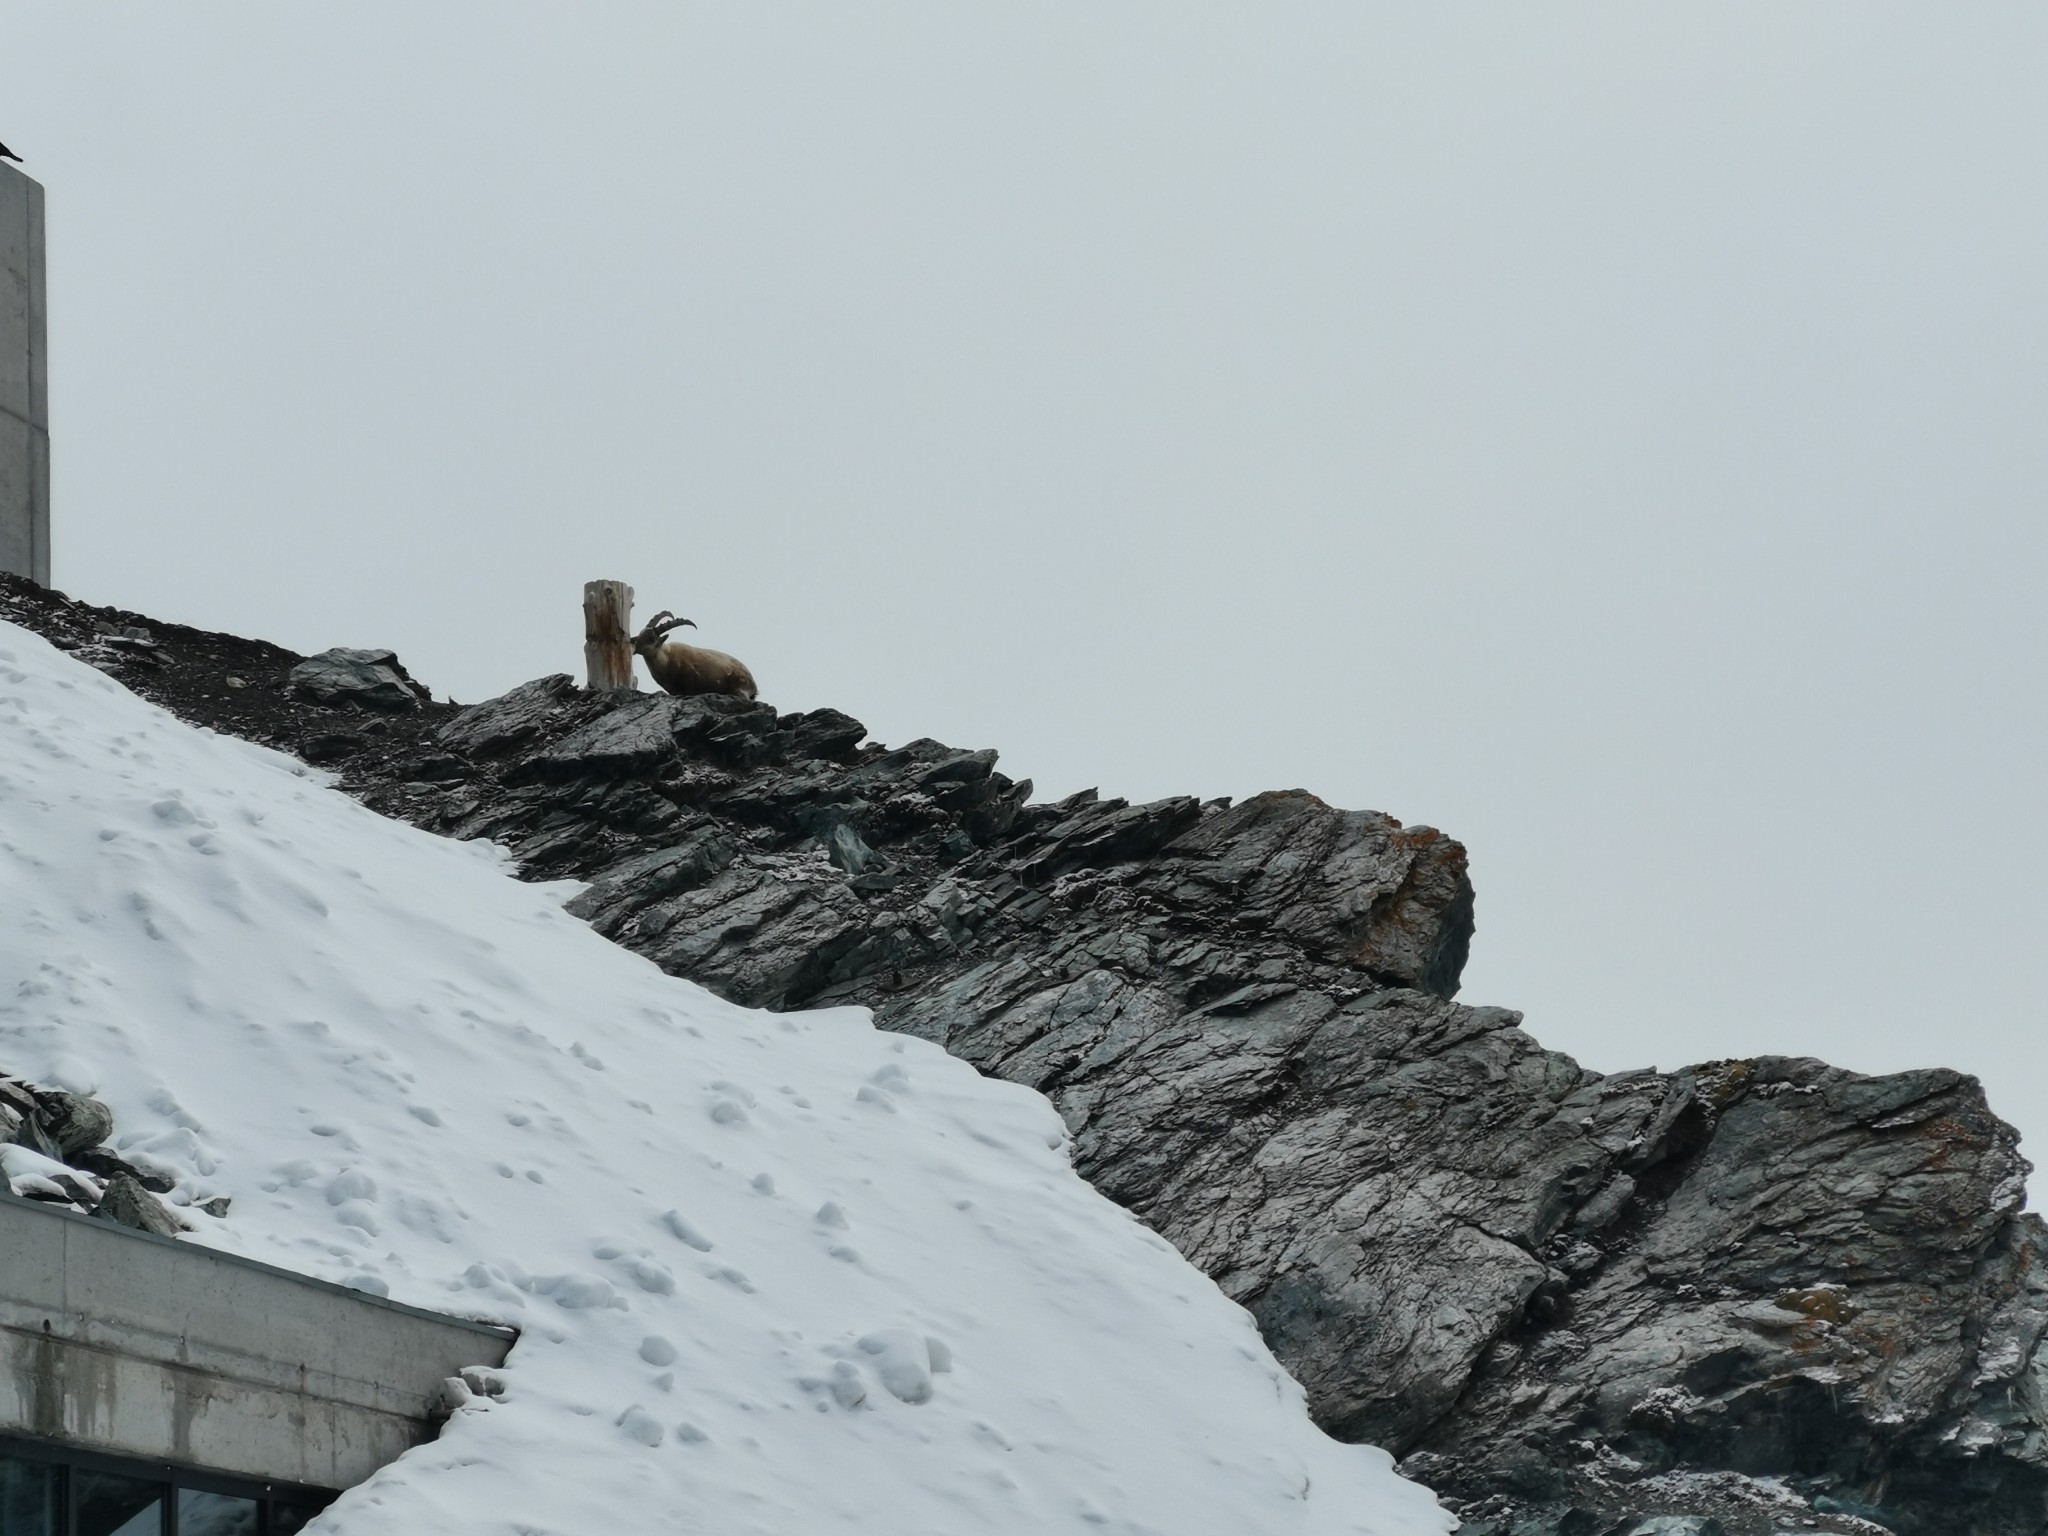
(230,1445)
(370,1395)
(476,1325)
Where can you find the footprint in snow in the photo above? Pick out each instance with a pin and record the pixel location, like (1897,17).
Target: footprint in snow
(651,1277)
(681,1227)
(575,1293)
(646,1273)
(845,1385)
(641,1425)
(902,1361)
(905,1362)
(351,1184)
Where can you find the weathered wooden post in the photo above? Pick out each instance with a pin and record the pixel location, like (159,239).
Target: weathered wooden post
(607,627)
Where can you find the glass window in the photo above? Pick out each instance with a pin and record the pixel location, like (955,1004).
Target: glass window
(110,1505)
(28,1497)
(214,1514)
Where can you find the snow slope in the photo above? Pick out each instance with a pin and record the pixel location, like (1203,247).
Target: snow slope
(775,1273)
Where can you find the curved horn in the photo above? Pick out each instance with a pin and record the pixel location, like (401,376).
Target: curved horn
(660,625)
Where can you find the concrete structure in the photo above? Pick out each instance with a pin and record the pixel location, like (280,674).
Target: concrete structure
(24,381)
(142,1346)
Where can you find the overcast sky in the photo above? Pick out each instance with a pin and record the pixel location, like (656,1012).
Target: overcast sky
(1615,434)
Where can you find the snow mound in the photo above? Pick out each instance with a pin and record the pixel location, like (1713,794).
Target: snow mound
(773,1274)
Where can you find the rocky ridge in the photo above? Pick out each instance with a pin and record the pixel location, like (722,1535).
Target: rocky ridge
(1752,1294)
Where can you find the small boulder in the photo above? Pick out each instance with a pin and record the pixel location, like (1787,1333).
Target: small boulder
(845,848)
(125,1201)
(370,679)
(73,1122)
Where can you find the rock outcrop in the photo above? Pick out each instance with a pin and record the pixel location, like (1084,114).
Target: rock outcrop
(1743,1296)
(52,1149)
(372,679)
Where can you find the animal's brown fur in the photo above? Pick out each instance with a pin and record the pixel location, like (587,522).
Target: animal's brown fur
(684,669)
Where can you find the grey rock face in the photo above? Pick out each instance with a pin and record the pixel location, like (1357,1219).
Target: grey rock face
(774,859)
(371,679)
(1757,1293)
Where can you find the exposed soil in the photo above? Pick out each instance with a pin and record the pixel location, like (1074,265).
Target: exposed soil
(236,686)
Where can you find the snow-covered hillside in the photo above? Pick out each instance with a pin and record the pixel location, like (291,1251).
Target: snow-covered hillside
(776,1274)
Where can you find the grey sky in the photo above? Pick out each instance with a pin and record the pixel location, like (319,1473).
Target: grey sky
(1611,433)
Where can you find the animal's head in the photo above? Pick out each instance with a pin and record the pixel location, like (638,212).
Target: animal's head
(648,641)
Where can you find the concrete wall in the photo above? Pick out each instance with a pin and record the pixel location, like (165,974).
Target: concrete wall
(24,381)
(144,1346)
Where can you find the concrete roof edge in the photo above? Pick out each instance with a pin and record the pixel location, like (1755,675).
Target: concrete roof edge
(476,1325)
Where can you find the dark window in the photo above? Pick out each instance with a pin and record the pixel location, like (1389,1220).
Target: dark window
(48,1488)
(111,1505)
(290,1519)
(215,1514)
(28,1497)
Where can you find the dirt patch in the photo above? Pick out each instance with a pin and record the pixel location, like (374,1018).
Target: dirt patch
(236,686)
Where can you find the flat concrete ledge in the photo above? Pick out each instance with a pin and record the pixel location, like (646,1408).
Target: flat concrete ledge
(143,1346)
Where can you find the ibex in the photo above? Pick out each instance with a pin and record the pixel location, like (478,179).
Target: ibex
(683,668)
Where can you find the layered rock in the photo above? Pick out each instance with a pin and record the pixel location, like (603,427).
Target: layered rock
(1746,1295)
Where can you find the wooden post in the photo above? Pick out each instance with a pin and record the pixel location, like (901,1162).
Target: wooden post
(607,624)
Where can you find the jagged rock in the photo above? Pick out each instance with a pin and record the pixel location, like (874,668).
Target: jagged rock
(104,1163)
(371,679)
(825,734)
(18,1116)
(516,720)
(635,738)
(127,1202)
